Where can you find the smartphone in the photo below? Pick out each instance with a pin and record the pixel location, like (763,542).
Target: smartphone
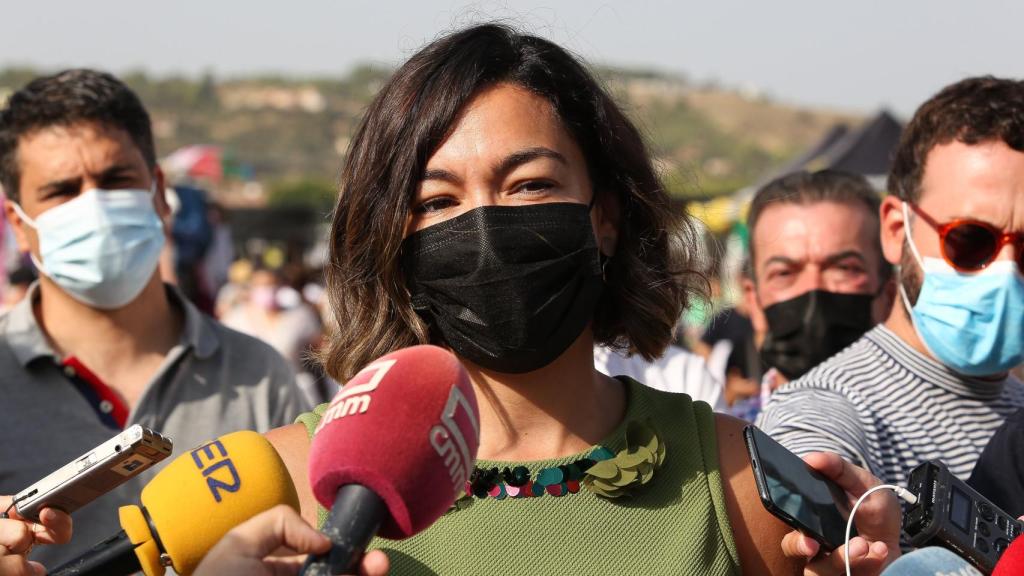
(796,493)
(95,473)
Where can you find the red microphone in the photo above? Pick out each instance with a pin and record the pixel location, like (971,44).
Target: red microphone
(392,452)
(1011,563)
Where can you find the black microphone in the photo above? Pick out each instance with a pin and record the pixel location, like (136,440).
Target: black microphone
(115,555)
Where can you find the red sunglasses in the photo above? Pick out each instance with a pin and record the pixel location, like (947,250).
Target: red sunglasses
(971,245)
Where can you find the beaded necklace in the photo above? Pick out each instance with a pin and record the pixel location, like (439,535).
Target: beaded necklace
(602,472)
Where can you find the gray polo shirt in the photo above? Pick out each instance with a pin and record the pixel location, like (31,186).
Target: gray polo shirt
(213,382)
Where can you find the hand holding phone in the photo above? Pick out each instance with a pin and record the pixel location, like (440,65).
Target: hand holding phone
(796,493)
(878,518)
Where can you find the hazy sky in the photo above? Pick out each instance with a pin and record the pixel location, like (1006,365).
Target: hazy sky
(853,55)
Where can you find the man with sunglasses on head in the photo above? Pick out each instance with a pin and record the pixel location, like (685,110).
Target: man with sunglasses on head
(933,380)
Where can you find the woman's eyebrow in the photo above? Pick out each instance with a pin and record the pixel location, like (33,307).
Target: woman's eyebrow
(518,158)
(506,165)
(438,174)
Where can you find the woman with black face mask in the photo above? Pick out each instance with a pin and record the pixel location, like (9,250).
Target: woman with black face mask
(495,201)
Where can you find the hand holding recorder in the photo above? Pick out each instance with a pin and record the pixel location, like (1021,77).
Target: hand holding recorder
(93,474)
(189,506)
(18,536)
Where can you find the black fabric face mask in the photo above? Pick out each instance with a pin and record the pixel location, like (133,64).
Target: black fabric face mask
(507,287)
(807,330)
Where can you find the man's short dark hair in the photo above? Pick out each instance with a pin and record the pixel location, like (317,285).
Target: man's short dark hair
(64,99)
(815,187)
(972,111)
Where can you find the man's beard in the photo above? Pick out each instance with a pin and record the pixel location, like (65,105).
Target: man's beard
(911,277)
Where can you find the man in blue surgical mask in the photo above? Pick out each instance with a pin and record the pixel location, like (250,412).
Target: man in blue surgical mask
(100,342)
(933,380)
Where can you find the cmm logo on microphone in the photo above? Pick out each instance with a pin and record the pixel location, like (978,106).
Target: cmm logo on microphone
(355,398)
(449,441)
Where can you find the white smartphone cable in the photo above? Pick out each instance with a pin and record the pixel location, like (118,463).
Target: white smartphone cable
(904,494)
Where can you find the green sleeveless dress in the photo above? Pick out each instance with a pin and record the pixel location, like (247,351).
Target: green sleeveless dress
(675,524)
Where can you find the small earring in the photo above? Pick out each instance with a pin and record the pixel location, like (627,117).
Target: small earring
(604,267)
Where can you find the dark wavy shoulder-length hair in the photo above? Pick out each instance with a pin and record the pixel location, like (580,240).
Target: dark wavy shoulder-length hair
(649,280)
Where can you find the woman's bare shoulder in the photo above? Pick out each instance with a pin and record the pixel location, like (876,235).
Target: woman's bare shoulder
(758,534)
(292,444)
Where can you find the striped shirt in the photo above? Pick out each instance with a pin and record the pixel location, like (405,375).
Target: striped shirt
(887,407)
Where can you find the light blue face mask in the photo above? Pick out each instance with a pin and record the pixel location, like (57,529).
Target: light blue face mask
(101,247)
(973,323)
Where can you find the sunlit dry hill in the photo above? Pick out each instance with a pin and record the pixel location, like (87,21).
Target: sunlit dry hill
(291,133)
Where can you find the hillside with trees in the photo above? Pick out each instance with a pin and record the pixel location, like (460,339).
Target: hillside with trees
(289,135)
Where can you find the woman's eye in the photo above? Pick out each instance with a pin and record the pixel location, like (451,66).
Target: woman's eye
(534,186)
(433,205)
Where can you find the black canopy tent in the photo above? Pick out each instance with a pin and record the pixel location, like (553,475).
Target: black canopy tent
(865,150)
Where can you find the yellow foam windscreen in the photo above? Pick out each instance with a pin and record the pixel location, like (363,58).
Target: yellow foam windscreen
(204,493)
(135,525)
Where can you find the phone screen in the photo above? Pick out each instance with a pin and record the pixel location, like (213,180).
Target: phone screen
(807,500)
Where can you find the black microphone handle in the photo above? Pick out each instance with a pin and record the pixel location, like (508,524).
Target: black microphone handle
(351,524)
(114,556)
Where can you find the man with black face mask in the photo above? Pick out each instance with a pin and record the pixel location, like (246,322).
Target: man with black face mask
(818,278)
